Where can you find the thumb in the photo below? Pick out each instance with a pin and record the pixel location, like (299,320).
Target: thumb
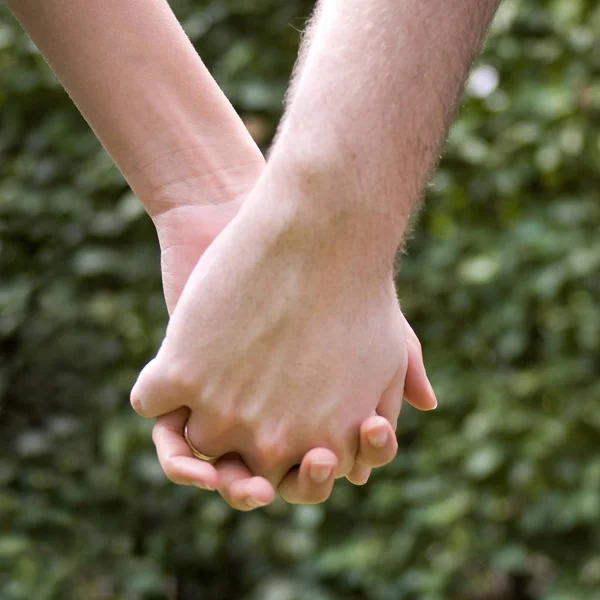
(418,391)
(155,393)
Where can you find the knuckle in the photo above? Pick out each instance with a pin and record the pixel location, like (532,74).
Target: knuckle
(418,343)
(269,454)
(271,450)
(172,473)
(144,390)
(179,380)
(247,415)
(139,399)
(162,428)
(156,431)
(137,395)
(224,417)
(136,401)
(415,342)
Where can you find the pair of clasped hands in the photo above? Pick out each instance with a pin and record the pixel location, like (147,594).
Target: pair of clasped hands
(286,356)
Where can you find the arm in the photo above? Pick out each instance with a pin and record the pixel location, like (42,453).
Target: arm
(138,81)
(316,343)
(370,106)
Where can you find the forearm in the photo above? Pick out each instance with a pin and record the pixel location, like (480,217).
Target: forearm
(138,81)
(369,109)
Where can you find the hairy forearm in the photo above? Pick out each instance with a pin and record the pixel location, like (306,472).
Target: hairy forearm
(138,81)
(373,97)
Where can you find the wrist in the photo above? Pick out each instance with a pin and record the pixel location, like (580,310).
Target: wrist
(324,191)
(303,214)
(140,84)
(193,157)
(199,175)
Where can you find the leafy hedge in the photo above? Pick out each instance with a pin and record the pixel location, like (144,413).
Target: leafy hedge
(496,496)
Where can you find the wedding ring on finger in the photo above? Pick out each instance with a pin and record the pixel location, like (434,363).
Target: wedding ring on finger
(197,454)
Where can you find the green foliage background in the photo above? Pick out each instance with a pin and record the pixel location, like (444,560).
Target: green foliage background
(495,496)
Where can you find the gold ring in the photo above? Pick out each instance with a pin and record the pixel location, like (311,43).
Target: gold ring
(197,454)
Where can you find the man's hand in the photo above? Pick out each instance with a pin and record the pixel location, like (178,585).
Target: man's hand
(332,351)
(375,132)
(256,303)
(117,61)
(185,232)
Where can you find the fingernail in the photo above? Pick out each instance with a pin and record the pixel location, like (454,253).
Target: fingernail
(255,503)
(432,391)
(378,438)
(208,488)
(320,472)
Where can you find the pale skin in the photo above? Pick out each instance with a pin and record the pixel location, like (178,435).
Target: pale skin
(191,165)
(288,334)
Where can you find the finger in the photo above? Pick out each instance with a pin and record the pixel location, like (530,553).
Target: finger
(359,475)
(378,443)
(213,435)
(152,394)
(378,446)
(240,488)
(175,456)
(237,484)
(313,481)
(391,400)
(418,391)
